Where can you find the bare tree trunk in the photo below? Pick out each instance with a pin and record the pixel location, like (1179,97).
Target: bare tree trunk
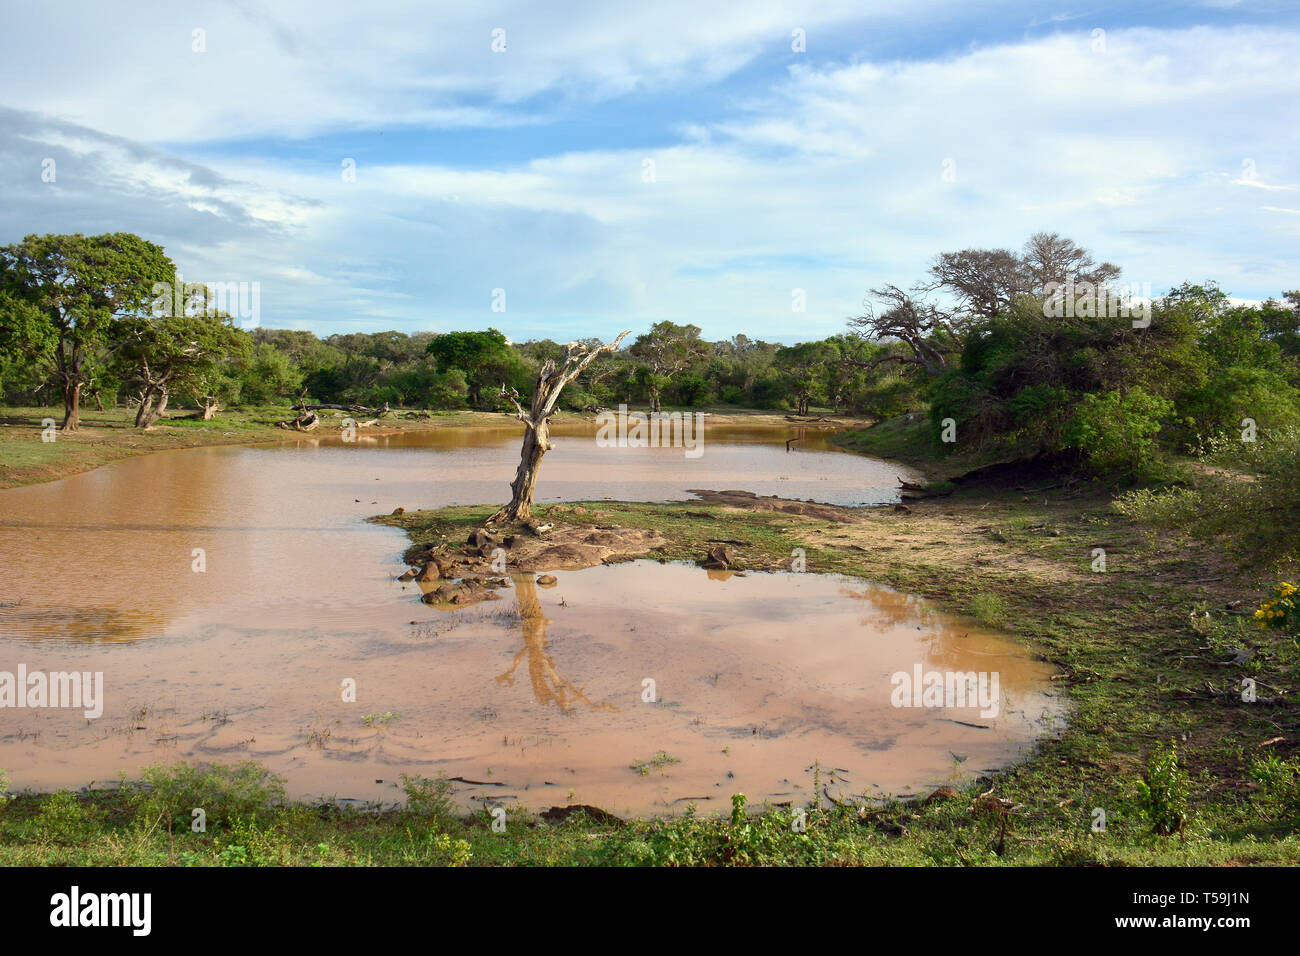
(536,444)
(550,382)
(210,408)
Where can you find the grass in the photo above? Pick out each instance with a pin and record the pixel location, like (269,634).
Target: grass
(657,762)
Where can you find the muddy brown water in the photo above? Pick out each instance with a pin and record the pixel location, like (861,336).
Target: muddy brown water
(541,698)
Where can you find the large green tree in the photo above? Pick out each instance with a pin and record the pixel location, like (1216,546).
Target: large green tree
(75,287)
(180,353)
(665,350)
(485,358)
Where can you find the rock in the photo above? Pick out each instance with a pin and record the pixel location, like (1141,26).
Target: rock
(903,509)
(409,575)
(943,793)
(498,583)
(481,537)
(430,572)
(547,580)
(399,511)
(594,814)
(461,593)
(719,558)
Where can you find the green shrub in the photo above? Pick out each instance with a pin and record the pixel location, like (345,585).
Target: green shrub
(989,609)
(62,819)
(1246,496)
(430,799)
(223,792)
(1162,792)
(1116,433)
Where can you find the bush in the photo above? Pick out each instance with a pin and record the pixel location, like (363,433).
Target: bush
(1116,433)
(224,793)
(429,799)
(989,609)
(1246,496)
(1282,610)
(1162,792)
(63,820)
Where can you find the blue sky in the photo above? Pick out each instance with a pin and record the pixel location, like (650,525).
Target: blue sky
(1162,136)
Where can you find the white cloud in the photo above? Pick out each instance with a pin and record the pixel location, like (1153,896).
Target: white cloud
(830,181)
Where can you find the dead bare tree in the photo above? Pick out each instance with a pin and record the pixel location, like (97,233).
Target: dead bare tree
(929,333)
(550,382)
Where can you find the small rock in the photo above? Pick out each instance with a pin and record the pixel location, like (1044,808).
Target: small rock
(409,575)
(431,572)
(546,580)
(399,511)
(719,558)
(943,793)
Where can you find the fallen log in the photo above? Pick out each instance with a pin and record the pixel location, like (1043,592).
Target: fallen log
(303,423)
(355,409)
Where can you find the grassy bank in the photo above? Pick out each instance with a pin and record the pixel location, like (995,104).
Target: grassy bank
(1152,651)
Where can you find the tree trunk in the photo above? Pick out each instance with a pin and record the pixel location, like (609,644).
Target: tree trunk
(536,444)
(71,406)
(210,408)
(654,400)
(149,413)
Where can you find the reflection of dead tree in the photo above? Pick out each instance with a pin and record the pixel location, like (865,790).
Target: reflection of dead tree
(548,686)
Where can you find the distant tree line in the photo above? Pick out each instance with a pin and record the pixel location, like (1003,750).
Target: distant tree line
(981,342)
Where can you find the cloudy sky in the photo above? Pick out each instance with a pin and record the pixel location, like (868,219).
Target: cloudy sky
(388,165)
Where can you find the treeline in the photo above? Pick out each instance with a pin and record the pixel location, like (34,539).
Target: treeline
(1018,352)
(81,319)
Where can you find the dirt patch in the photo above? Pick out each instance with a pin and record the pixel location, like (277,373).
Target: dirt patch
(748,501)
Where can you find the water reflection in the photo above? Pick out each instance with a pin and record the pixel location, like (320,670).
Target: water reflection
(548,686)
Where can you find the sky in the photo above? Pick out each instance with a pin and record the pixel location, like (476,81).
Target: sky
(574,169)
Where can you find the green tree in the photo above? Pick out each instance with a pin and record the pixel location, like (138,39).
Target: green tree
(79,286)
(179,353)
(665,350)
(484,358)
(270,375)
